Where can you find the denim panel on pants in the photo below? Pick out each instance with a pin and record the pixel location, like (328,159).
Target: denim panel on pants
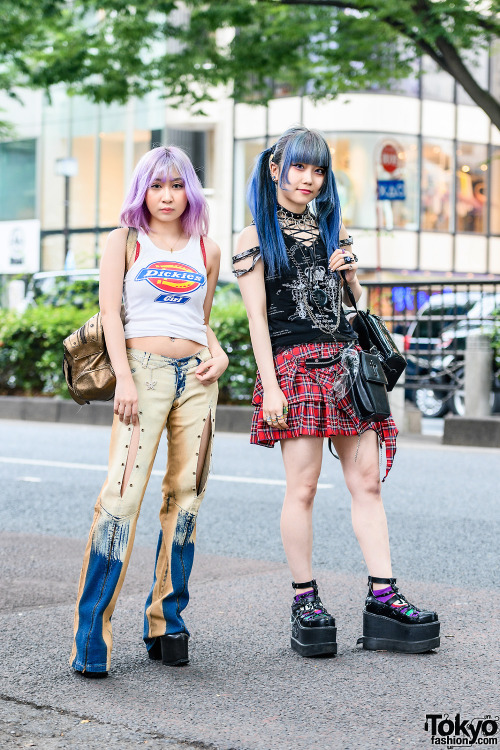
(169,394)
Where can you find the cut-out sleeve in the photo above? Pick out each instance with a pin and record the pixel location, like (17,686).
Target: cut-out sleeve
(241,262)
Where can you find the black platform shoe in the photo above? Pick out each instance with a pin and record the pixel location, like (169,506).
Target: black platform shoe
(313,628)
(395,624)
(171,649)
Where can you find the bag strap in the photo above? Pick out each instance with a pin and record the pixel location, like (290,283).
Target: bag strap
(130,247)
(349,292)
(202,246)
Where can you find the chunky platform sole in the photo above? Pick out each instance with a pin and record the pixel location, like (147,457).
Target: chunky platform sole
(171,649)
(314,641)
(385,634)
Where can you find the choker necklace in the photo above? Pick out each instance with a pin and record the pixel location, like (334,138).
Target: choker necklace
(304,222)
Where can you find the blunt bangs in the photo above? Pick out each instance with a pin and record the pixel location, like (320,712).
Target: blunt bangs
(307,147)
(160,164)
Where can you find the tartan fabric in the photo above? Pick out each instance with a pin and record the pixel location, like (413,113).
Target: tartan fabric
(313,408)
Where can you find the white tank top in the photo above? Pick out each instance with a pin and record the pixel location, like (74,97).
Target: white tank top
(164,292)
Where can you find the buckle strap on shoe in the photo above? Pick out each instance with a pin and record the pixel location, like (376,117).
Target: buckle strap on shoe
(307,585)
(374,579)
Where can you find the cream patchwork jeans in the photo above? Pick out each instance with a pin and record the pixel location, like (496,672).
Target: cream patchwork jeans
(169,395)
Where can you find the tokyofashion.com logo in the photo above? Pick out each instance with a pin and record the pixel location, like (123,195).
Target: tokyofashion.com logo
(457,732)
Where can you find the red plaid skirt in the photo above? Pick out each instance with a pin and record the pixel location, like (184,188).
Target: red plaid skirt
(313,407)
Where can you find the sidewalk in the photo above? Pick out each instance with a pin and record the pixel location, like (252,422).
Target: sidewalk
(229,418)
(244,689)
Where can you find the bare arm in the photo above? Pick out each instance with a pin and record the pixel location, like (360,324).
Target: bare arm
(253,292)
(110,299)
(210,371)
(337,263)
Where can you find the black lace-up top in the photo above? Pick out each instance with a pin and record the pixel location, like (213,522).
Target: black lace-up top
(295,314)
(304,302)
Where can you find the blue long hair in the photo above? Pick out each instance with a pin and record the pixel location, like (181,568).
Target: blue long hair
(296,145)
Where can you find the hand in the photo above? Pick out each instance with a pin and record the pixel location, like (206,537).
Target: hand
(337,263)
(125,404)
(275,408)
(211,370)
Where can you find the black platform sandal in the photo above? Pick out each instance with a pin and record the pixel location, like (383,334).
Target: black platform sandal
(171,649)
(313,628)
(391,623)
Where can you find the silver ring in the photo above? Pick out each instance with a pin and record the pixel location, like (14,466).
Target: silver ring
(350,266)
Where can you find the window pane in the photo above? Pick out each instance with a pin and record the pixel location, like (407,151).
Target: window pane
(17,180)
(472,193)
(495,70)
(437,176)
(194,143)
(246,153)
(436,84)
(82,187)
(478,64)
(53,252)
(111,192)
(358,166)
(495,192)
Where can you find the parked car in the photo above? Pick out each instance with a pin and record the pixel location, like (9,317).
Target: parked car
(77,287)
(423,338)
(81,287)
(443,390)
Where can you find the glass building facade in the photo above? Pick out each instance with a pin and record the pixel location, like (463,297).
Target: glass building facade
(424,141)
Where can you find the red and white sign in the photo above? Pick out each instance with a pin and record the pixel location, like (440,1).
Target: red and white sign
(389,158)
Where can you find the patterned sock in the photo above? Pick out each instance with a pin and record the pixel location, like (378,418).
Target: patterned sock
(383,595)
(304,593)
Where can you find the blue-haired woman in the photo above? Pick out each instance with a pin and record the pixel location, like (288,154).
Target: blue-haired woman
(299,253)
(167,361)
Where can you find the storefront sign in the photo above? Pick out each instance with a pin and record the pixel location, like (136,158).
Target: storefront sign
(391,190)
(389,158)
(20,246)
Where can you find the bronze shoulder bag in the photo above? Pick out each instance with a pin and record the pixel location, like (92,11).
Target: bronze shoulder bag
(87,367)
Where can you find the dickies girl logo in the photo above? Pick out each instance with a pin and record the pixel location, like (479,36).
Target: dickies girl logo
(176,281)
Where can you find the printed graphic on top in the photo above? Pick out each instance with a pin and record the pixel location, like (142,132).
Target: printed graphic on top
(176,281)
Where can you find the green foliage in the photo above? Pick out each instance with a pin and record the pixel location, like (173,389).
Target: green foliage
(80,293)
(31,348)
(229,322)
(109,50)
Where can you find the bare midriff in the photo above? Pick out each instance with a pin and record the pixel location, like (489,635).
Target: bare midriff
(168,347)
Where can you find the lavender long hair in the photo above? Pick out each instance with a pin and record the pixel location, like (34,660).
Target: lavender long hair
(159,164)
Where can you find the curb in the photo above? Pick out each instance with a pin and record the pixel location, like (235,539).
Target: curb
(229,418)
(482,432)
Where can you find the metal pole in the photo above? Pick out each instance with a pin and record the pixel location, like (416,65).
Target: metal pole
(66,215)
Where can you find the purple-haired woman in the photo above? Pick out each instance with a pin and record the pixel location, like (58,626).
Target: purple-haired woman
(167,361)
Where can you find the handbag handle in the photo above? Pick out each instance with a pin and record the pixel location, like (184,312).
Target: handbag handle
(349,292)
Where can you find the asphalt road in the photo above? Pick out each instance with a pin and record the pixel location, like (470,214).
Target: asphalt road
(244,688)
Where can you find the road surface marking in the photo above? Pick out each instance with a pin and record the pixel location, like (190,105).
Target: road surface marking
(102,467)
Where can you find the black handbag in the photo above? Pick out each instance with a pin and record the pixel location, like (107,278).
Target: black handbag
(369,392)
(374,337)
(368,385)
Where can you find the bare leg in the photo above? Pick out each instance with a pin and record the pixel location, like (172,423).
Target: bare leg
(367,510)
(302,460)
